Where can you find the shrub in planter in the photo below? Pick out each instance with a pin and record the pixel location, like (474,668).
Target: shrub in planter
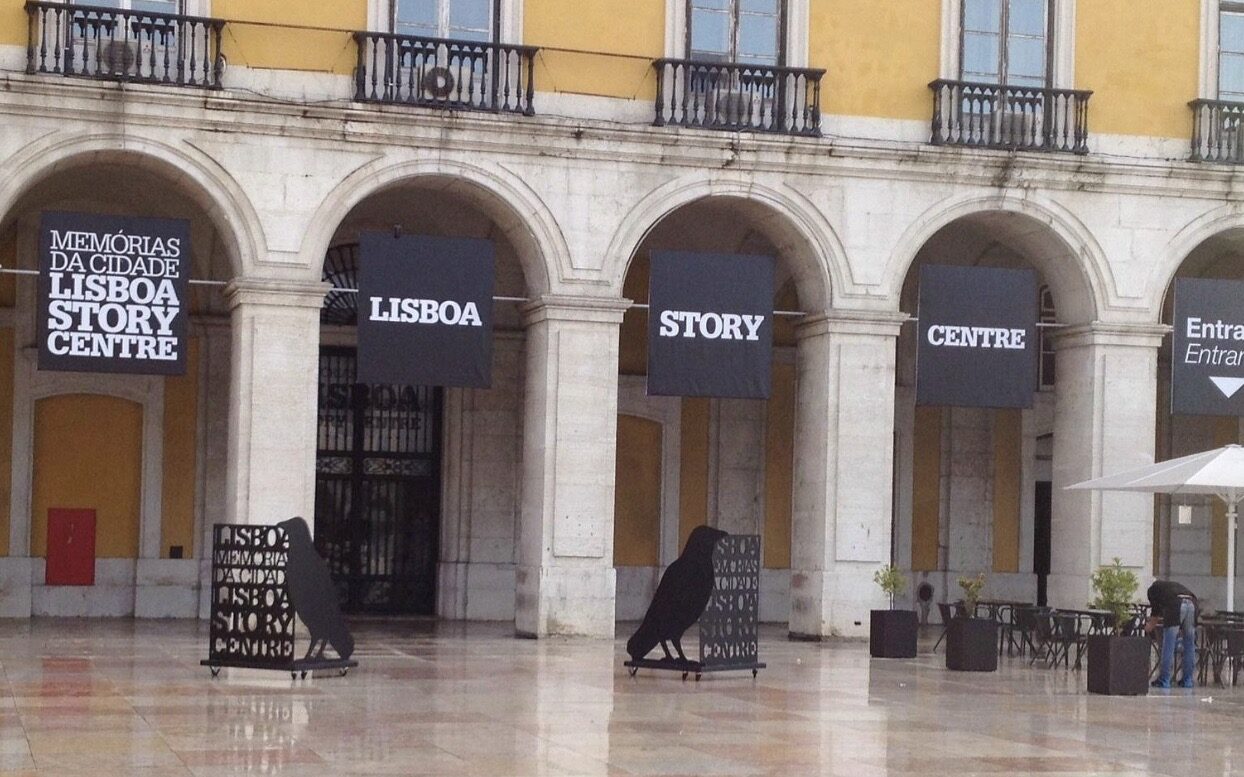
(972,643)
(1118,662)
(892,633)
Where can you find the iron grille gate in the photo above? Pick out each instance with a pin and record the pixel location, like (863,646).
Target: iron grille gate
(377,489)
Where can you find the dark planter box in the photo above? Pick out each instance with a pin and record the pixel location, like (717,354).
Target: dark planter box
(892,634)
(1118,666)
(972,645)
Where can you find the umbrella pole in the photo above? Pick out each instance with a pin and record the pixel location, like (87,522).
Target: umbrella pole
(1231,505)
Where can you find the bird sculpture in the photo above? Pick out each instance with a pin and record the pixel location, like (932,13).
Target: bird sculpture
(680,599)
(312,593)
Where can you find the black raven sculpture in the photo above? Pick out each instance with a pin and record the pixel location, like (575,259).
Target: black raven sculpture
(680,599)
(312,593)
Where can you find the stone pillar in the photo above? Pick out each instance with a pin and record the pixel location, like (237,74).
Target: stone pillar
(273,375)
(844,463)
(565,577)
(1104,418)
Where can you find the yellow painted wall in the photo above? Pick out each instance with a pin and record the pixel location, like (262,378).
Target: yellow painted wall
(1006,489)
(1226,432)
(263,34)
(13,23)
(597,47)
(6,434)
(181,399)
(693,467)
(926,488)
(637,494)
(880,55)
(779,466)
(88,454)
(1141,60)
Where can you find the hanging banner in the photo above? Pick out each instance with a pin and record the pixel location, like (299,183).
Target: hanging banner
(710,325)
(977,337)
(425,310)
(113,293)
(1207,354)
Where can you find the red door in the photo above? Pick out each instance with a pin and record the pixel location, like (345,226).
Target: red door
(71,546)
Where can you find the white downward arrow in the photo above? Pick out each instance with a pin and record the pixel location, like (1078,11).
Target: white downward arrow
(1228,386)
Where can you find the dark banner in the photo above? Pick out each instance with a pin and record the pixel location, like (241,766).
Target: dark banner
(113,293)
(710,325)
(1207,354)
(977,337)
(425,310)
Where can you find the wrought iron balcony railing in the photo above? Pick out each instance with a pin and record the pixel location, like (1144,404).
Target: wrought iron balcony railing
(1023,118)
(442,73)
(116,45)
(1217,131)
(730,96)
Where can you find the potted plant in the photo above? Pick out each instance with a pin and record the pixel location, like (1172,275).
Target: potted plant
(1118,662)
(971,642)
(892,633)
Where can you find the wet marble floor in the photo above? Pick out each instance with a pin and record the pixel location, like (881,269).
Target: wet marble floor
(104,698)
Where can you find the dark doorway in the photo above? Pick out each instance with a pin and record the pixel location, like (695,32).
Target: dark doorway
(378,489)
(1042,513)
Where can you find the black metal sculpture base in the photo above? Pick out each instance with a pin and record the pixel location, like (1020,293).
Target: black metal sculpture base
(299,667)
(687,667)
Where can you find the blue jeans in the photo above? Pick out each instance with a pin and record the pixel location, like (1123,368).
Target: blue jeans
(1170,634)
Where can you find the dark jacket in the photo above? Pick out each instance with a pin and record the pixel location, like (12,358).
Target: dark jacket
(1165,597)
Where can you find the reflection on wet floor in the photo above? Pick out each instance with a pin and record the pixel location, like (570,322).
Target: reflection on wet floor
(100,698)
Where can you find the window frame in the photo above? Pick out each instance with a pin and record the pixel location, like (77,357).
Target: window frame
(1221,8)
(1051,29)
(783,14)
(442,21)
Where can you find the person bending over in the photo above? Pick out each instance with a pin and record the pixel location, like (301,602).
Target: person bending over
(1174,607)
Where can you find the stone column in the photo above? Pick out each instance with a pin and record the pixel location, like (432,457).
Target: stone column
(1104,418)
(844,464)
(273,375)
(565,577)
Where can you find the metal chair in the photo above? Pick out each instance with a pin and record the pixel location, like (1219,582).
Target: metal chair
(944,610)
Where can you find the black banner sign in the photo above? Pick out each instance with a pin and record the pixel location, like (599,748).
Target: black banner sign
(1207,355)
(425,310)
(112,293)
(710,325)
(977,343)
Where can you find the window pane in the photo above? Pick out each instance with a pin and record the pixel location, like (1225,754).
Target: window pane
(1231,73)
(470,15)
(104,4)
(980,56)
(759,6)
(1231,32)
(758,39)
(1025,60)
(712,5)
(1027,17)
(416,17)
(982,15)
(710,32)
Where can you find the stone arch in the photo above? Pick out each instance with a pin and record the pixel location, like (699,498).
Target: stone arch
(791,222)
(1050,236)
(204,180)
(1218,223)
(516,209)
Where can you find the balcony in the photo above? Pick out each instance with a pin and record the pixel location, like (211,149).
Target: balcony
(738,98)
(445,74)
(1217,131)
(1018,118)
(133,46)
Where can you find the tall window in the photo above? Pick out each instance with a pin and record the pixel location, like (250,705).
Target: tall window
(1231,51)
(142,6)
(744,31)
(457,19)
(1006,41)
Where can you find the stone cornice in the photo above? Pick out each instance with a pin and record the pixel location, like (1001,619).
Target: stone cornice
(290,294)
(851,322)
(1101,333)
(554,307)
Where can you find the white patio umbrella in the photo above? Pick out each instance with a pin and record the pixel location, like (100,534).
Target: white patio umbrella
(1219,472)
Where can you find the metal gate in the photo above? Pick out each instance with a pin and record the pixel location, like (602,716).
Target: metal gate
(377,490)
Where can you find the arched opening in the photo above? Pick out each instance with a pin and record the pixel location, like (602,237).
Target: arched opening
(724,462)
(973,485)
(417,487)
(146,454)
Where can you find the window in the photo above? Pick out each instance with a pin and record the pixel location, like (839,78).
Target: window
(1006,42)
(744,31)
(1047,315)
(1231,51)
(142,6)
(472,20)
